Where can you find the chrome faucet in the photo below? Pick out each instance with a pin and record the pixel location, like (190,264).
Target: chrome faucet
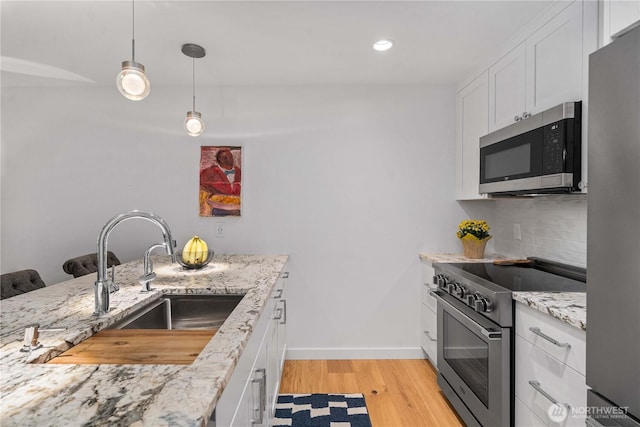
(149,276)
(103,286)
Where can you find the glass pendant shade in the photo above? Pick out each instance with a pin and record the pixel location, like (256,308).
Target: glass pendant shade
(132,82)
(193,124)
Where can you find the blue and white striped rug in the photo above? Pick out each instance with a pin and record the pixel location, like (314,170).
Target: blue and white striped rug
(321,410)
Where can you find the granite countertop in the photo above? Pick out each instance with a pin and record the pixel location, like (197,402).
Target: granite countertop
(34,393)
(570,307)
(451,257)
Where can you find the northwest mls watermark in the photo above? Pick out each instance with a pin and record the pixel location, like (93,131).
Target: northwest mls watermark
(558,412)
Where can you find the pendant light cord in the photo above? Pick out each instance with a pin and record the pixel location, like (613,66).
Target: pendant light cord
(133,31)
(194,85)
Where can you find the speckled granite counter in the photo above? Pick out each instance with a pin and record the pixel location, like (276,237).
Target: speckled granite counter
(456,258)
(119,395)
(570,307)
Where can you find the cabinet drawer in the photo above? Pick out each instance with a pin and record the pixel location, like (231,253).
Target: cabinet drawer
(428,333)
(573,354)
(524,417)
(427,299)
(563,383)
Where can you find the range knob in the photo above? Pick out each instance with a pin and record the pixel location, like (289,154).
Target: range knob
(483,305)
(461,292)
(452,288)
(442,281)
(471,300)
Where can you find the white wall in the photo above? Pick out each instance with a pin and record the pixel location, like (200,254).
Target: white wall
(552,227)
(352,182)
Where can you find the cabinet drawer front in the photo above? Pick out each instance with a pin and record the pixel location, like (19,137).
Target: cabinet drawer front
(428,333)
(427,299)
(524,417)
(560,381)
(573,354)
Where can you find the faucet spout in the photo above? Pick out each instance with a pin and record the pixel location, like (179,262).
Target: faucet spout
(102,285)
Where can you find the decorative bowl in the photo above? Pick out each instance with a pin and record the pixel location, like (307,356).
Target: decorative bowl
(193,266)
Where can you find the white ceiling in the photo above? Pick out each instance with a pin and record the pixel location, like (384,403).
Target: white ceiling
(255,42)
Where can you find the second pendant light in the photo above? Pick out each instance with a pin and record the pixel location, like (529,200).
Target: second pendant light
(193,123)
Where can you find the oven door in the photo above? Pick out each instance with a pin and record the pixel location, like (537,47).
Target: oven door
(474,363)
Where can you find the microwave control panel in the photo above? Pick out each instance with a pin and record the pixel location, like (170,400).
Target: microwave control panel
(554,151)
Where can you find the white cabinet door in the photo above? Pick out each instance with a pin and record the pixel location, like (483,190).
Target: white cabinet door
(276,344)
(250,395)
(507,88)
(273,369)
(555,61)
(282,321)
(472,105)
(618,15)
(252,408)
(428,314)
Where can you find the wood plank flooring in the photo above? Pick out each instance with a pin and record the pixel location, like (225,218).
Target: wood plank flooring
(399,393)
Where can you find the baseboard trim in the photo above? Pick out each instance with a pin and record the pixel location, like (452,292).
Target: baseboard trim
(354,353)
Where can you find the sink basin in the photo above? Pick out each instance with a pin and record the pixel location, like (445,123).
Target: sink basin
(182,312)
(177,327)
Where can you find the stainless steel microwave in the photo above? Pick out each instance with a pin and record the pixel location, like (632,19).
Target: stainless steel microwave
(537,155)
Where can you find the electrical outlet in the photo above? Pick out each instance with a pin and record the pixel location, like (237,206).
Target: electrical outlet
(219,230)
(517,234)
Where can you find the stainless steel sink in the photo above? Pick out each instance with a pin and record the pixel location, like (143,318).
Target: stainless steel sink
(182,312)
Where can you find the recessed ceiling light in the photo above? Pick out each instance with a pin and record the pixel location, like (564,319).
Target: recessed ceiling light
(382,45)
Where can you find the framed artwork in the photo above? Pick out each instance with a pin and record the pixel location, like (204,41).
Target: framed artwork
(220,181)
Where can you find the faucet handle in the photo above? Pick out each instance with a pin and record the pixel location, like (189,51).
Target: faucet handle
(145,280)
(113,286)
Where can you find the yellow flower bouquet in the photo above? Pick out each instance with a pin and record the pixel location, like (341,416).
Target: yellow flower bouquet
(474,235)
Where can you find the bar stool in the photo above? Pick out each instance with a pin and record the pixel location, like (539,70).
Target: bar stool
(19,282)
(87,264)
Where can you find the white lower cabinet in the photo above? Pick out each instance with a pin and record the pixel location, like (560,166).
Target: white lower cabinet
(428,316)
(549,391)
(250,396)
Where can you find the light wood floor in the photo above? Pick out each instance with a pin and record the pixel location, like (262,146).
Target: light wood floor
(399,393)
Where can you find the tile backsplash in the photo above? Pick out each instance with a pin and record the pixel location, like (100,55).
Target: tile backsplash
(551,227)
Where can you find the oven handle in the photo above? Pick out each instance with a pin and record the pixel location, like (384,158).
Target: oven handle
(491,335)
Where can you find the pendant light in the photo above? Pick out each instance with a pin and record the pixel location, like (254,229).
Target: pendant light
(193,123)
(132,82)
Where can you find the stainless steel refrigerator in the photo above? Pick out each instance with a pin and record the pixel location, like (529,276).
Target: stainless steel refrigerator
(613,234)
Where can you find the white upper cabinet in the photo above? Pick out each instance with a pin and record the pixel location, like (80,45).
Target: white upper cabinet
(543,66)
(554,61)
(616,16)
(541,72)
(507,88)
(472,118)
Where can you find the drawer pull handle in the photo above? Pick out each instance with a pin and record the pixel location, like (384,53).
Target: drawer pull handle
(539,333)
(429,336)
(538,388)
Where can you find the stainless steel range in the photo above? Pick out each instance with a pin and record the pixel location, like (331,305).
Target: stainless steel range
(475,323)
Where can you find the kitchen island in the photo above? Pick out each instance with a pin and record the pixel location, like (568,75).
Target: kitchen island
(36,393)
